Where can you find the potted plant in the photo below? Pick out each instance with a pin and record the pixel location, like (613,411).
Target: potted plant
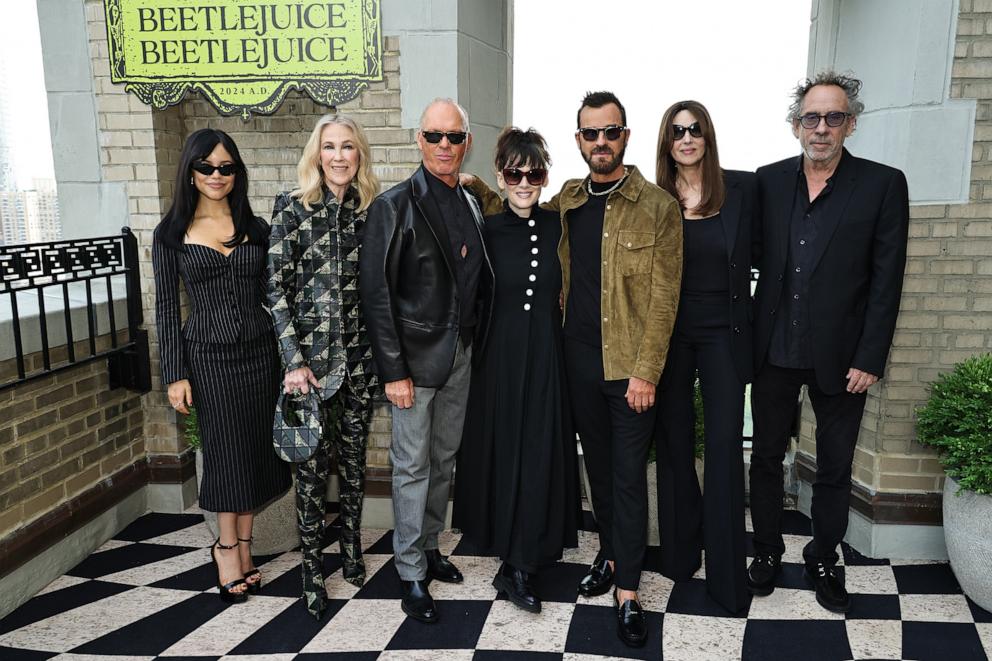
(957,420)
(275,529)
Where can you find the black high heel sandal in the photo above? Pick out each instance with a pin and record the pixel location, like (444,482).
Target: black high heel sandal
(227,594)
(254,587)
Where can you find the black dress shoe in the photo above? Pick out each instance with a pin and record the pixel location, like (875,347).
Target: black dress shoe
(418,602)
(761,574)
(599,578)
(440,568)
(830,591)
(632,626)
(515,583)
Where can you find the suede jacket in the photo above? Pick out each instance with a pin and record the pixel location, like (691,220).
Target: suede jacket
(642,270)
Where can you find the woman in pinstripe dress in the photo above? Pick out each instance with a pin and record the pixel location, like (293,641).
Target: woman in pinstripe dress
(223,358)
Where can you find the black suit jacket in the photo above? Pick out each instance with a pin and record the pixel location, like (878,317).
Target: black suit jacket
(857,276)
(736,214)
(407,284)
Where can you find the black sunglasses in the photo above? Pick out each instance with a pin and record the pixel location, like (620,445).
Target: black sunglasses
(454,137)
(678,131)
(834,119)
(591,133)
(514,176)
(206,169)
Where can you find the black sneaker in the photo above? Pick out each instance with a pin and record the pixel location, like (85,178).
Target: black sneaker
(761,574)
(830,591)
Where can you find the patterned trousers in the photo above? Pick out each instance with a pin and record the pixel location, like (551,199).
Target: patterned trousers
(346,417)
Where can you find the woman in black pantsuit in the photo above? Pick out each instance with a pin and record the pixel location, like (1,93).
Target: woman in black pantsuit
(712,335)
(223,358)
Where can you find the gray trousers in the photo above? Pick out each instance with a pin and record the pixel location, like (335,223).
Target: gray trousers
(425,440)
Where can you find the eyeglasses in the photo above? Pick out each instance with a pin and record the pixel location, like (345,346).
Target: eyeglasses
(591,133)
(678,131)
(514,176)
(834,119)
(454,137)
(206,169)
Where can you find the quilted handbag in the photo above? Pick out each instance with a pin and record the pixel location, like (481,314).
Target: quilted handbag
(296,427)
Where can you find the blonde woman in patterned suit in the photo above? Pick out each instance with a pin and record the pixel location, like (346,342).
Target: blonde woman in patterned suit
(313,294)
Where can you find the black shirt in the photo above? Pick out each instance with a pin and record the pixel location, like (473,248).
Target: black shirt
(585,244)
(465,244)
(704,256)
(790,341)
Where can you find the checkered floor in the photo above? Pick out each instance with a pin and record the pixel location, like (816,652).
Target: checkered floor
(148,594)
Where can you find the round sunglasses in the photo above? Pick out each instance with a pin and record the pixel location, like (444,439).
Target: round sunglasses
(833,119)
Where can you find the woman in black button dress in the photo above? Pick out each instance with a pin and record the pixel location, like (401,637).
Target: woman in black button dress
(223,358)
(712,335)
(516,484)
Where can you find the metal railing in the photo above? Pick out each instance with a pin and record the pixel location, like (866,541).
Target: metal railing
(30,272)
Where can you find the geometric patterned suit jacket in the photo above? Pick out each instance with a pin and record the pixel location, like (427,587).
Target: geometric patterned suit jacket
(313,288)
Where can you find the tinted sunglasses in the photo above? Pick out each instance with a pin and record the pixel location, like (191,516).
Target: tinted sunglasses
(679,131)
(514,176)
(206,169)
(834,119)
(454,137)
(591,133)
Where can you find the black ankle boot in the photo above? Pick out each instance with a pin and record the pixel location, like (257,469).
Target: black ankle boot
(352,562)
(515,583)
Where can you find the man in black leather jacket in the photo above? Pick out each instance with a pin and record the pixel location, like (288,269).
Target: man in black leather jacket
(425,283)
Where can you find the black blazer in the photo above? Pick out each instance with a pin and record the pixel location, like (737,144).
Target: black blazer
(408,290)
(226,295)
(856,282)
(739,207)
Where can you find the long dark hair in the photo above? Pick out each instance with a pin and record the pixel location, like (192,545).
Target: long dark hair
(712,195)
(177,219)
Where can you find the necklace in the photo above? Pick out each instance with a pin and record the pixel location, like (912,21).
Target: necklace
(608,190)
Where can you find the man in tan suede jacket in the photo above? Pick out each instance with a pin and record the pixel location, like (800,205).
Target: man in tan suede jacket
(621,260)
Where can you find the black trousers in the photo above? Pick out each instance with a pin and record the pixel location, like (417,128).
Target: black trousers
(615,441)
(838,419)
(714,520)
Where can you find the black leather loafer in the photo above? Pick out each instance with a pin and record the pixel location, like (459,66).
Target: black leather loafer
(418,602)
(515,584)
(632,626)
(440,568)
(598,580)
(761,574)
(830,591)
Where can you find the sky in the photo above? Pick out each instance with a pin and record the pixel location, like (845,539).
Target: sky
(23,85)
(740,59)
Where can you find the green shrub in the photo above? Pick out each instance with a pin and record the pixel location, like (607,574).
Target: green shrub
(191,430)
(957,420)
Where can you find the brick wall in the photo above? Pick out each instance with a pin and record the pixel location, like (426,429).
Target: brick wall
(141,146)
(62,434)
(946,309)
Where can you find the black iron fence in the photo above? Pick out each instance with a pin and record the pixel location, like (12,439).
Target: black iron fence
(38,274)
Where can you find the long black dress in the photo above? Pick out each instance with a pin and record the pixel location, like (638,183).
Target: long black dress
(516,482)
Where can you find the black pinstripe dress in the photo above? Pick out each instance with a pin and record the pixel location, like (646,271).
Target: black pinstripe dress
(227,350)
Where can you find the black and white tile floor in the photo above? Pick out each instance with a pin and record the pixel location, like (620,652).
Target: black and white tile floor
(148,593)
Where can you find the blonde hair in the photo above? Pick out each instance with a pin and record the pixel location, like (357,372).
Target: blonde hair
(311,178)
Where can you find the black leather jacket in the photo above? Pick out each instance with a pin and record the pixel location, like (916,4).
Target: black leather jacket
(408,290)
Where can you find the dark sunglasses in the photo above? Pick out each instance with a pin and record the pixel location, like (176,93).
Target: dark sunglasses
(679,131)
(834,119)
(514,176)
(591,133)
(454,137)
(206,169)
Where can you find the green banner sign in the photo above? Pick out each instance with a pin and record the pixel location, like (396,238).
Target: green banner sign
(242,55)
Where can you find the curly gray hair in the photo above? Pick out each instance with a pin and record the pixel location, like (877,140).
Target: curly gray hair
(850,85)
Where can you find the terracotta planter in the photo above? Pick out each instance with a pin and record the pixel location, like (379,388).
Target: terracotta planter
(968,535)
(275,529)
